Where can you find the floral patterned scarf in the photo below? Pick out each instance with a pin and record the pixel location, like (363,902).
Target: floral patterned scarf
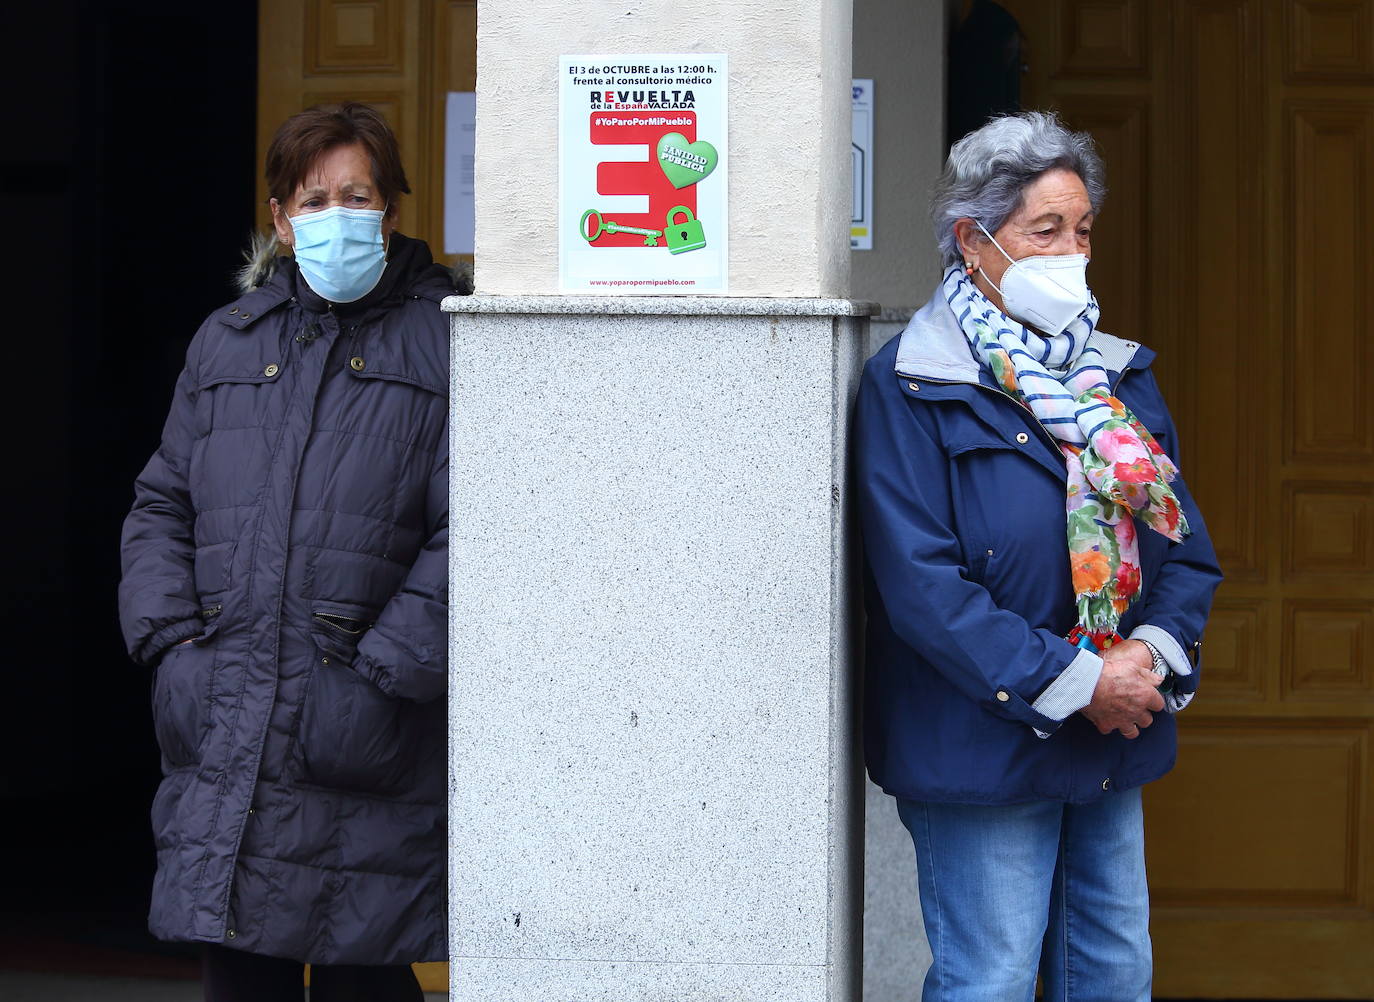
(1117,472)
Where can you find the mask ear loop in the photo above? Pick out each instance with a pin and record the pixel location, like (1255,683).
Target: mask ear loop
(999,247)
(386,238)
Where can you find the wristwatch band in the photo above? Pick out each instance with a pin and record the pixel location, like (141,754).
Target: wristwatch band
(1161,666)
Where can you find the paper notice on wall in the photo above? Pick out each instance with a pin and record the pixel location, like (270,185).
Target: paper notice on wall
(642,163)
(460,130)
(861,157)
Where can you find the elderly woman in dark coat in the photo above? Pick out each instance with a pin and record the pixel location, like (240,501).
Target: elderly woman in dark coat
(285,574)
(1021,515)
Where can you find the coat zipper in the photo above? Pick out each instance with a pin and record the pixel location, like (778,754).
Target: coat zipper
(1002,396)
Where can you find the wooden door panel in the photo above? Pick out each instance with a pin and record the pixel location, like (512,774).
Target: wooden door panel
(1267,817)
(1329,40)
(1329,652)
(399,56)
(1331,158)
(354,37)
(1218,221)
(1249,146)
(1120,267)
(1103,38)
(1236,633)
(1328,533)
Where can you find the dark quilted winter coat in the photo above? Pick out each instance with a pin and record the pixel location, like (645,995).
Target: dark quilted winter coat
(294,522)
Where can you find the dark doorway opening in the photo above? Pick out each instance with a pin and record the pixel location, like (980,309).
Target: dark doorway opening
(129,167)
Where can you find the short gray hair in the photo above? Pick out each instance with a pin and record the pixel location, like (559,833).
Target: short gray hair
(989,169)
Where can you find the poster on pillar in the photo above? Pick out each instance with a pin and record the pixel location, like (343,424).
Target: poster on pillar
(642,163)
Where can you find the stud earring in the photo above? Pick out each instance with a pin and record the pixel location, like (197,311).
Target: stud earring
(969,268)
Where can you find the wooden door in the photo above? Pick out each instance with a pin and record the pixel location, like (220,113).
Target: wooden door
(1236,240)
(399,56)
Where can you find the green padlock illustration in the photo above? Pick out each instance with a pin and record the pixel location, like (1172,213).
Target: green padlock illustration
(684,236)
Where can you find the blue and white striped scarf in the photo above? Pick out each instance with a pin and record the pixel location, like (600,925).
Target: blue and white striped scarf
(1117,472)
(1054,397)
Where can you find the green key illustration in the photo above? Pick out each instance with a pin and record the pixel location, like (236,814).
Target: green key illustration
(606,226)
(683,236)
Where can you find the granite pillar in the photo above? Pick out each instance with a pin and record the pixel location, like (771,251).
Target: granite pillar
(656,791)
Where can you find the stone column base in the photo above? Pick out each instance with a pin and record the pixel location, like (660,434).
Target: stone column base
(655,787)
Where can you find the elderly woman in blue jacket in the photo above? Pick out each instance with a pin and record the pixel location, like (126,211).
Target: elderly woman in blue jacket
(1038,578)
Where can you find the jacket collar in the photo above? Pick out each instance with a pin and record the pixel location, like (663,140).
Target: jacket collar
(410,271)
(248,308)
(933,346)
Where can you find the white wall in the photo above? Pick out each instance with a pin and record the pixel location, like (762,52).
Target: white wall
(789,133)
(900,44)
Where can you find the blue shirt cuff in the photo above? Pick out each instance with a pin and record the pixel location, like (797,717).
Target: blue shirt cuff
(1072,690)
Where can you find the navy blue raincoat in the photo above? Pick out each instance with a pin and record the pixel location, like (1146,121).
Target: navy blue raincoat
(293,526)
(968,584)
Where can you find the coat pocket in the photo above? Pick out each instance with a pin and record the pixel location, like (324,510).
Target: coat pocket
(181,694)
(352,735)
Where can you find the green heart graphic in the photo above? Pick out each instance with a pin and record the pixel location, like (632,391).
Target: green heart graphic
(685,163)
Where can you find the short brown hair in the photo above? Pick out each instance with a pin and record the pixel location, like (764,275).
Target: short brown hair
(304,137)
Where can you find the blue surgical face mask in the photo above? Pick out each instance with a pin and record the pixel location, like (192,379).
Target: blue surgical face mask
(340,251)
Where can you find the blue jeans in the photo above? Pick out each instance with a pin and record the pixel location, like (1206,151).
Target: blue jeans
(1009,889)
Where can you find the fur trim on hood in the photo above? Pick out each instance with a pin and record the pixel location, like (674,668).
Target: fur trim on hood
(260,261)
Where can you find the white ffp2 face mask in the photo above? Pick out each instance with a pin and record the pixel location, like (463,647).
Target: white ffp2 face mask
(1046,291)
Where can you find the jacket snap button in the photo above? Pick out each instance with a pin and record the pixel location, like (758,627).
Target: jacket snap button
(233,311)
(914,387)
(230,934)
(324,661)
(357,363)
(1022,437)
(247,315)
(1107,784)
(271,370)
(1002,696)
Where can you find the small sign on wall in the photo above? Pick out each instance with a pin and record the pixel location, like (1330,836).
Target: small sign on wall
(460,121)
(642,161)
(861,159)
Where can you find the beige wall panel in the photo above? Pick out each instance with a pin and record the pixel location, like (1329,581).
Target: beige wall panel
(1330,650)
(1330,39)
(1330,345)
(898,44)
